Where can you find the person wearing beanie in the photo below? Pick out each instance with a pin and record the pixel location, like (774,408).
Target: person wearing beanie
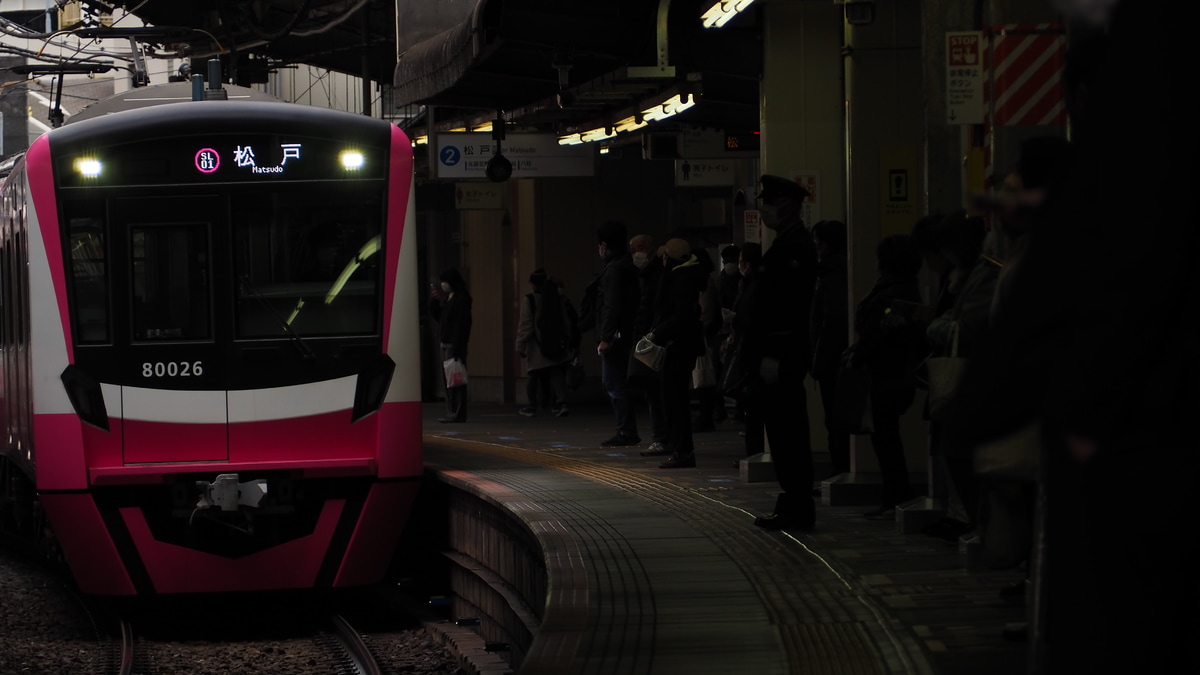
(677,326)
(645,382)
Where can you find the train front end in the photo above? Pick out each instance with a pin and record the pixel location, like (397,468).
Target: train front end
(223,340)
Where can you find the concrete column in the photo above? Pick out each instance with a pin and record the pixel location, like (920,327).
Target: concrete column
(801,120)
(886,136)
(945,144)
(801,106)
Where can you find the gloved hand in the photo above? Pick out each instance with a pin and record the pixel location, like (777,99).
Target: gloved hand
(769,370)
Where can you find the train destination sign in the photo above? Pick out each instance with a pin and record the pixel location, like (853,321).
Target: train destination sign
(208,159)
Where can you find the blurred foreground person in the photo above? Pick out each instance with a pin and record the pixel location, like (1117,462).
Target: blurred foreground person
(1097,331)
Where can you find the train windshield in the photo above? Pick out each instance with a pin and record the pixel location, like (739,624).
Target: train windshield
(307,264)
(170,275)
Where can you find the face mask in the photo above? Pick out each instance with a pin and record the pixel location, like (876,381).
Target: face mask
(603,248)
(445,287)
(769,215)
(744,268)
(730,268)
(641,259)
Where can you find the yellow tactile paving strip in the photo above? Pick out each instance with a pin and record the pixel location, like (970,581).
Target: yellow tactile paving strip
(826,620)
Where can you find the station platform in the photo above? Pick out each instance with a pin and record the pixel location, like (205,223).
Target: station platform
(661,571)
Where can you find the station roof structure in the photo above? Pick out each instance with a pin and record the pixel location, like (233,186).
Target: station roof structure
(561,65)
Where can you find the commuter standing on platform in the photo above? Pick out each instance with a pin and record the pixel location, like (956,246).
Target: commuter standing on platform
(729,280)
(615,309)
(710,318)
(451,303)
(735,379)
(646,382)
(830,332)
(888,346)
(545,341)
(677,326)
(777,349)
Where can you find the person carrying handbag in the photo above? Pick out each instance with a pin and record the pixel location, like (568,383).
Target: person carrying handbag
(677,326)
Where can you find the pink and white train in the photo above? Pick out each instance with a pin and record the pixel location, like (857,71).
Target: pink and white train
(208,355)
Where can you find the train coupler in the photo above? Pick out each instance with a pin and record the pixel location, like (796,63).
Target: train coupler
(228,494)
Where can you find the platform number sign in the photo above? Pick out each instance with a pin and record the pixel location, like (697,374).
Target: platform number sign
(450,155)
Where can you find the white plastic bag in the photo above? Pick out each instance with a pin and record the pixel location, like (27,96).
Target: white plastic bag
(456,373)
(649,353)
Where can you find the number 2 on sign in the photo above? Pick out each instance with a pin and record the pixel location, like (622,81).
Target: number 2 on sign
(173,369)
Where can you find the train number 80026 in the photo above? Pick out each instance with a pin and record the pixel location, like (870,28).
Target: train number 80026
(173,369)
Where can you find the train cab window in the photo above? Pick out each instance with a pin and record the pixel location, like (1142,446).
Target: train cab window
(89,279)
(307,265)
(171,281)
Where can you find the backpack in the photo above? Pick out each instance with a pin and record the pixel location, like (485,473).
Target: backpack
(586,319)
(549,325)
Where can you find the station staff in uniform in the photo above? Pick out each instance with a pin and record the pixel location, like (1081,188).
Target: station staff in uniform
(777,349)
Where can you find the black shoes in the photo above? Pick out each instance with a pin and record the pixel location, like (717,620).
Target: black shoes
(881,513)
(783,521)
(621,441)
(678,460)
(791,513)
(448,419)
(948,529)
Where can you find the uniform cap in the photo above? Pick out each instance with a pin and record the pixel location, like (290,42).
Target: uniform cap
(775,187)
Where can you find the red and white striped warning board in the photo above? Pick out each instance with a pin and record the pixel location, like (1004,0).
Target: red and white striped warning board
(1026,87)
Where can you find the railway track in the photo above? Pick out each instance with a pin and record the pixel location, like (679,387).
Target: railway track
(328,646)
(360,659)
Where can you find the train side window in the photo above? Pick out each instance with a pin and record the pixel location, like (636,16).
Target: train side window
(171,281)
(89,280)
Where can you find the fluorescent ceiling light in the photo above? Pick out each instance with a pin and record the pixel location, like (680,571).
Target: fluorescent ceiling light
(655,113)
(721,12)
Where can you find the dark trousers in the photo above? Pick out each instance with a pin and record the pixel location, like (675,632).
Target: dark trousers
(676,400)
(784,408)
(614,365)
(887,405)
(839,444)
(647,384)
(456,397)
(547,387)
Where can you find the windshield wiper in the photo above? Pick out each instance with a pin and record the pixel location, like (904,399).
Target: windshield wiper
(305,350)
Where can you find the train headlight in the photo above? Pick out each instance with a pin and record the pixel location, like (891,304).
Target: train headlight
(88,167)
(351,159)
